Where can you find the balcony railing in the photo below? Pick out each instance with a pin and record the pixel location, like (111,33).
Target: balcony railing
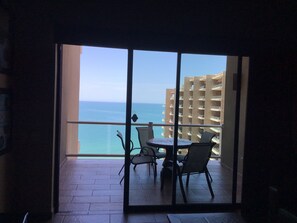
(98,139)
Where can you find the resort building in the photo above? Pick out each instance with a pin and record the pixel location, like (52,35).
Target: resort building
(201,102)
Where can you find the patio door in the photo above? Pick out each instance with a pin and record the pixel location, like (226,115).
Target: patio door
(183,95)
(154,75)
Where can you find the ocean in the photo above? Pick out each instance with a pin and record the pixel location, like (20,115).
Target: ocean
(102,139)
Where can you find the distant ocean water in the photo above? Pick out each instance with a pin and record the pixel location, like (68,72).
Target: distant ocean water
(102,139)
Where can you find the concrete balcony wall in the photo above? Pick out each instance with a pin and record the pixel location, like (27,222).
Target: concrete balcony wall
(70,100)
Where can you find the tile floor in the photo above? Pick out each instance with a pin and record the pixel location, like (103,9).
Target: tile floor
(90,191)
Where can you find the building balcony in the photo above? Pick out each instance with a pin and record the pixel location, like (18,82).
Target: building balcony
(215,118)
(181,98)
(218,77)
(215,108)
(202,88)
(201,108)
(216,98)
(217,87)
(201,98)
(216,130)
(216,140)
(203,78)
(190,116)
(201,117)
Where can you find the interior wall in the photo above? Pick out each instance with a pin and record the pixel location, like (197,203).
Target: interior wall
(6,165)
(33,107)
(70,100)
(6,159)
(268,149)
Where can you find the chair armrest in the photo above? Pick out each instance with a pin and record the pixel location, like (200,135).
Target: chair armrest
(150,150)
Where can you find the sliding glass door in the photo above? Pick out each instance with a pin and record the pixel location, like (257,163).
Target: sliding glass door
(153,77)
(184,97)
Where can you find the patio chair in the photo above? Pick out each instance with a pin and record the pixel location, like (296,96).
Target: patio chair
(206,137)
(144,134)
(195,163)
(142,157)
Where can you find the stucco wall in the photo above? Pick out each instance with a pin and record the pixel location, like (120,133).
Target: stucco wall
(70,100)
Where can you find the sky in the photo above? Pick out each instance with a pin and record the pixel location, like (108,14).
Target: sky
(103,73)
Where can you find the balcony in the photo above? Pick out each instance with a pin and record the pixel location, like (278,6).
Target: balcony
(201,98)
(217,87)
(202,88)
(201,108)
(215,108)
(215,118)
(218,77)
(216,130)
(92,185)
(201,117)
(216,98)
(98,178)
(216,140)
(203,78)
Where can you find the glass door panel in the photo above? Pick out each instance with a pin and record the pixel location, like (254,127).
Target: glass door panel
(202,102)
(154,76)
(102,100)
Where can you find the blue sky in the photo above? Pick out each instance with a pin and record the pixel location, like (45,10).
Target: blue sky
(103,73)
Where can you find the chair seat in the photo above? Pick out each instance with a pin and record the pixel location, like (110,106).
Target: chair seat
(160,155)
(140,159)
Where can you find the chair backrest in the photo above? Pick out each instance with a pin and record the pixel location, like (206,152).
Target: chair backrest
(119,134)
(197,158)
(144,134)
(206,137)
